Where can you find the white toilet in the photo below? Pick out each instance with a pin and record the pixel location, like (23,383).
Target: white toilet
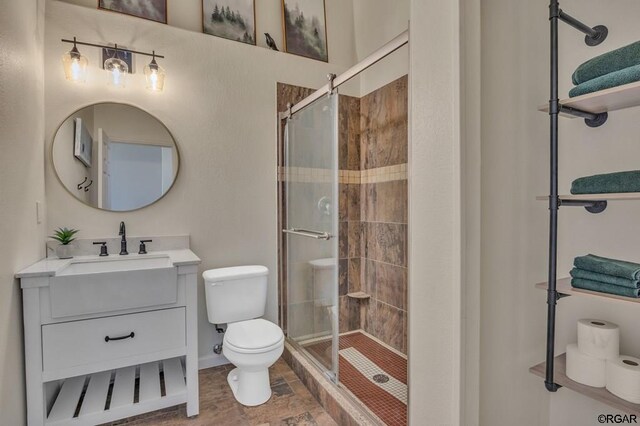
(237,297)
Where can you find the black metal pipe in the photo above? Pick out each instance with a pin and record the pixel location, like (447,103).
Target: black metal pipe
(82,43)
(578,113)
(554,201)
(592,206)
(568,19)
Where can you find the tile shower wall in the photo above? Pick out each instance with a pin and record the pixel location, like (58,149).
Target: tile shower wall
(372,210)
(383,213)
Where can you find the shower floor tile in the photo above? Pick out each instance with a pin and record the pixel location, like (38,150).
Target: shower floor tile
(373,373)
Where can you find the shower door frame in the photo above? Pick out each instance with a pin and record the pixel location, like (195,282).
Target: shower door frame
(334,82)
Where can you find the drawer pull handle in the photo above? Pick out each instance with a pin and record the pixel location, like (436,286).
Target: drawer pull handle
(128,336)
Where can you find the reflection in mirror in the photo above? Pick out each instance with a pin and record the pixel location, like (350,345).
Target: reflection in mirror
(115,157)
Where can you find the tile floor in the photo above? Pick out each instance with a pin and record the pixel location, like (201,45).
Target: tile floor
(291,404)
(360,355)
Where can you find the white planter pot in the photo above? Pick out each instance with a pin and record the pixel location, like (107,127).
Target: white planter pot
(64,251)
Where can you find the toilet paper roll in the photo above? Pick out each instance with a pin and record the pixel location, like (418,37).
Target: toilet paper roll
(623,378)
(584,368)
(599,338)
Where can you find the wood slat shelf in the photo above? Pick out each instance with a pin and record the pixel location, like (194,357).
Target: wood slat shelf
(564,286)
(599,394)
(623,196)
(616,98)
(91,393)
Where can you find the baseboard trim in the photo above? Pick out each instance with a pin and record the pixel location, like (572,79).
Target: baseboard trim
(211,360)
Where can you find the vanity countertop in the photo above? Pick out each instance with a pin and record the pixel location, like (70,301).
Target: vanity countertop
(48,267)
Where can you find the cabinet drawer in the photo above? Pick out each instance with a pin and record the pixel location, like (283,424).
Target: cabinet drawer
(78,343)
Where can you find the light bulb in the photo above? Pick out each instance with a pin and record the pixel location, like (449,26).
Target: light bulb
(154,75)
(117,70)
(75,65)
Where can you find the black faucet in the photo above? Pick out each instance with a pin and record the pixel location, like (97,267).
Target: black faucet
(123,242)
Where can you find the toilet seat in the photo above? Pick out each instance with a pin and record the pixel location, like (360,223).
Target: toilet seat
(253,336)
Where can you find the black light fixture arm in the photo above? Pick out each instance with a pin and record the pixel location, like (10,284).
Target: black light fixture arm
(101,46)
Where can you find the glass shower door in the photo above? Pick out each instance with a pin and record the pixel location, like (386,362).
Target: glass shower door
(311,228)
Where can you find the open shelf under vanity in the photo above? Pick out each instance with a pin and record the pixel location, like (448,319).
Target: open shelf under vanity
(116,394)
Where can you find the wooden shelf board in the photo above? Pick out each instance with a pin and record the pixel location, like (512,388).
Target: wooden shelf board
(599,394)
(623,196)
(564,286)
(616,98)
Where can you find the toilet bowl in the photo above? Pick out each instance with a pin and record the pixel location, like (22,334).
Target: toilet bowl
(252,346)
(237,296)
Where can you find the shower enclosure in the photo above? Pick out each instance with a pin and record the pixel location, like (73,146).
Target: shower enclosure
(343,225)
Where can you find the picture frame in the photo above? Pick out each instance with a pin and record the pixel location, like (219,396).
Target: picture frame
(82,142)
(230,19)
(304,25)
(152,10)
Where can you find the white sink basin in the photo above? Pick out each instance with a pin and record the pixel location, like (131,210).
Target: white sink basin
(111,264)
(87,286)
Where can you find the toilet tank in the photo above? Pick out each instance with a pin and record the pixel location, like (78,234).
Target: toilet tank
(235,294)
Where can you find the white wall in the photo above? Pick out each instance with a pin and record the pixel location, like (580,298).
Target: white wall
(376,22)
(21,184)
(515,60)
(435,214)
(219,104)
(187,14)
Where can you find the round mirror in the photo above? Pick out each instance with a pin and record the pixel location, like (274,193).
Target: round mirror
(115,157)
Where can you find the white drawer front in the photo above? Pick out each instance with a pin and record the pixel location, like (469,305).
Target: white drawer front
(78,343)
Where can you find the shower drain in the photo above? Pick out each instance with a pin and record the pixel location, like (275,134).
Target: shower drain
(381,378)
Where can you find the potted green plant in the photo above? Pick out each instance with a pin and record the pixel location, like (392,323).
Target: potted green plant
(65,237)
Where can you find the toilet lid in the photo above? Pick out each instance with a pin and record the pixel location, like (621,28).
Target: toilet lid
(253,334)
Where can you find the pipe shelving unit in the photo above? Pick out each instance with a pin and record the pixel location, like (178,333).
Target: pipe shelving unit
(593,37)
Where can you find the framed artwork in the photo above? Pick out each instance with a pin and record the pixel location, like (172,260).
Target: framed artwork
(305,28)
(230,19)
(154,10)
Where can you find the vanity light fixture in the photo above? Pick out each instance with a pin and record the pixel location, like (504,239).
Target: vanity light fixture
(75,65)
(117,70)
(154,75)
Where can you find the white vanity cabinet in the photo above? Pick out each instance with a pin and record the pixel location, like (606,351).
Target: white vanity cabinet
(97,350)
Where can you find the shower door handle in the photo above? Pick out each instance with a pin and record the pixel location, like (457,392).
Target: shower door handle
(309,234)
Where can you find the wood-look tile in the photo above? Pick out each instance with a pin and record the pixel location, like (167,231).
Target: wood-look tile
(353,202)
(385,242)
(354,283)
(354,239)
(384,201)
(343,240)
(390,283)
(389,323)
(343,276)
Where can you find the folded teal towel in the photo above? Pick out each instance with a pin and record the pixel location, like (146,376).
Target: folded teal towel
(603,278)
(605,266)
(607,183)
(607,63)
(614,79)
(605,288)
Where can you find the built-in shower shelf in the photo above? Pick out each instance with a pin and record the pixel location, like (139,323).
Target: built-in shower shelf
(616,98)
(359,295)
(563,286)
(116,394)
(599,394)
